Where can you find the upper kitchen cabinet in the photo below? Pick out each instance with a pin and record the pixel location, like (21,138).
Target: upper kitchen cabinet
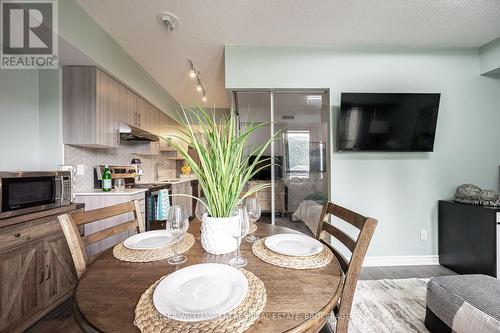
(91,109)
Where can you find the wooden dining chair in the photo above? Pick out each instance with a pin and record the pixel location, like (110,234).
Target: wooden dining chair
(77,244)
(351,268)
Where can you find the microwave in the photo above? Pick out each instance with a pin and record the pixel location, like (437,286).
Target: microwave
(28,192)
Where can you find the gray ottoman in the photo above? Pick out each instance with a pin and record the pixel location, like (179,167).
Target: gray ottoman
(463,304)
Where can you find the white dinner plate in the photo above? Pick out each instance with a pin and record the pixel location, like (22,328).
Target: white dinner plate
(150,240)
(200,292)
(294,245)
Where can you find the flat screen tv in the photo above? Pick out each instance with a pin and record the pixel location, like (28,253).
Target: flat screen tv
(265,173)
(387,122)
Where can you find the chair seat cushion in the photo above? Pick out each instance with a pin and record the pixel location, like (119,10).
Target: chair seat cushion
(466,303)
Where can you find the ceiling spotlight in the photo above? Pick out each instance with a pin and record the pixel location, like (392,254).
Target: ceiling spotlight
(204,98)
(169,20)
(192,73)
(199,87)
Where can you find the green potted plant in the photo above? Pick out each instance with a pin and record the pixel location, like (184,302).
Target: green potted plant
(223,169)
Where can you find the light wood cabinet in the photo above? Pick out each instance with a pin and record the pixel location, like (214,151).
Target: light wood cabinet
(94,105)
(36,268)
(264,196)
(90,108)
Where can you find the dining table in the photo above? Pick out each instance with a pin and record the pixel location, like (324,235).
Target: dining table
(107,294)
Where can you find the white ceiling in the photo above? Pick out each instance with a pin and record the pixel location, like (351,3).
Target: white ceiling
(207,25)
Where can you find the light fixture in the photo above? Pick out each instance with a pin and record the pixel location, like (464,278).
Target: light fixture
(193,73)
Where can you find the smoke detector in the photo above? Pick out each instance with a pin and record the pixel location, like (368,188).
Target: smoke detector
(169,20)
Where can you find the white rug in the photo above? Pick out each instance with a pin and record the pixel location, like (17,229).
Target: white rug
(391,306)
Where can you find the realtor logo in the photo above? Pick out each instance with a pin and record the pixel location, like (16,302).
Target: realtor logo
(29,34)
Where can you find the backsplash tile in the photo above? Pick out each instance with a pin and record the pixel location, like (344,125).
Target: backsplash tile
(91,157)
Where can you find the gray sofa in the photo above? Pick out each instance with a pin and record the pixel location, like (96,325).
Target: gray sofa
(463,304)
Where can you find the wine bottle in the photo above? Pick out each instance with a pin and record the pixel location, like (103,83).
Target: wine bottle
(106,179)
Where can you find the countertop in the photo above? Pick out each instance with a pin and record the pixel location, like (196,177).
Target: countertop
(127,191)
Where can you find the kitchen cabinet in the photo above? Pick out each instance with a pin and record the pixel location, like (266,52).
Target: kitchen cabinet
(90,108)
(186,202)
(36,268)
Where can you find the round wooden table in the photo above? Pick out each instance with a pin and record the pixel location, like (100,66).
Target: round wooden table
(108,292)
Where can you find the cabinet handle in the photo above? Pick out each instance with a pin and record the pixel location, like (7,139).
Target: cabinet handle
(135,119)
(50,272)
(42,275)
(17,235)
(139,120)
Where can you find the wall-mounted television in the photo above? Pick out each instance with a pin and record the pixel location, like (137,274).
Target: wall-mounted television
(387,122)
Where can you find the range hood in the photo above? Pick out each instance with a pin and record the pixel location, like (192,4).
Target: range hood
(133,134)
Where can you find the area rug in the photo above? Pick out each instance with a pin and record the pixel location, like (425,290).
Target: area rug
(389,306)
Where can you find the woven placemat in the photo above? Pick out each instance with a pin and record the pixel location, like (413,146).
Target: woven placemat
(122,253)
(315,261)
(149,320)
(253,228)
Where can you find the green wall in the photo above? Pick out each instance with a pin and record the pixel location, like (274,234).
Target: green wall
(399,189)
(77,27)
(18,119)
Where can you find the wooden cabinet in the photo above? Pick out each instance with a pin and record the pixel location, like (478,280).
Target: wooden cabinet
(264,196)
(59,271)
(36,268)
(21,277)
(90,108)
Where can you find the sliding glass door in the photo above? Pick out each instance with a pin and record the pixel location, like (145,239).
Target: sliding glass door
(299,175)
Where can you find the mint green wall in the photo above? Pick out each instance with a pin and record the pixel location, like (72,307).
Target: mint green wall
(50,144)
(18,119)
(490,58)
(77,27)
(400,189)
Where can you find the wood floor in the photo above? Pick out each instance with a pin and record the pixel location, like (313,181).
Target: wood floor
(61,319)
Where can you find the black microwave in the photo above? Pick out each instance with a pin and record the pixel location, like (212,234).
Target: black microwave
(27,192)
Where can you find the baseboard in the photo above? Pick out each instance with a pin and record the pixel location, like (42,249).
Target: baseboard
(401,261)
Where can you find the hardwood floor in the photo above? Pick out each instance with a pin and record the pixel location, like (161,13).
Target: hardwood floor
(61,319)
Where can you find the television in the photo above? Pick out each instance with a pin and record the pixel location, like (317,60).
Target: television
(387,122)
(265,173)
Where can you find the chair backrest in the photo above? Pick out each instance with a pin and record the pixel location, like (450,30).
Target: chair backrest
(77,244)
(358,247)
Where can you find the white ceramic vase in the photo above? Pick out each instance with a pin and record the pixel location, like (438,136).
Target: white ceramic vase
(216,237)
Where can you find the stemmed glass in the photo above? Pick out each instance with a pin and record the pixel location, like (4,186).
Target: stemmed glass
(201,209)
(177,224)
(253,209)
(238,231)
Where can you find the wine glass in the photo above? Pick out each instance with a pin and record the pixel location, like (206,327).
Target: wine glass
(177,224)
(119,184)
(201,209)
(253,209)
(239,230)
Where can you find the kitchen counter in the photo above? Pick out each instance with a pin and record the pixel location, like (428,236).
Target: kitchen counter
(127,191)
(176,181)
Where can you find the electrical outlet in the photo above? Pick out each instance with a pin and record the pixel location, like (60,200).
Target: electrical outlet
(80,170)
(423,234)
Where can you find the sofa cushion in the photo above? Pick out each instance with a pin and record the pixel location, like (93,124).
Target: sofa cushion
(466,303)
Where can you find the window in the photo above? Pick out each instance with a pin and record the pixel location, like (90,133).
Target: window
(297,149)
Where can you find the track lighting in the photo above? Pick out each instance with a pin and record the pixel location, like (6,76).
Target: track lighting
(193,73)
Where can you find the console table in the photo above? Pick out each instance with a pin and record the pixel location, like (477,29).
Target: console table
(469,238)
